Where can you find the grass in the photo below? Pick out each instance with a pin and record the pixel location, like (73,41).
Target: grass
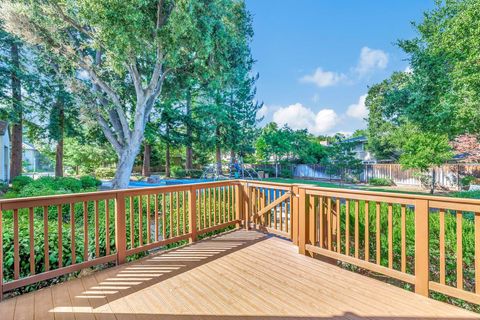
(327,184)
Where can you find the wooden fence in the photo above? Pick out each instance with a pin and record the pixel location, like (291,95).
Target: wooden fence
(432,243)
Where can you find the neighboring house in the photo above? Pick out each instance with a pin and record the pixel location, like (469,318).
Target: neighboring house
(360,149)
(4,151)
(30,157)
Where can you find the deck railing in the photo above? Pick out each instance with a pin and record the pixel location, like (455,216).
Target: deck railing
(431,243)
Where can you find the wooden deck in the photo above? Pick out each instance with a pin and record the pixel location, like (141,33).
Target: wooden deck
(234,276)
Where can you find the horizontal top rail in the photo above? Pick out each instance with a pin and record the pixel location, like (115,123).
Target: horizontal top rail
(18,203)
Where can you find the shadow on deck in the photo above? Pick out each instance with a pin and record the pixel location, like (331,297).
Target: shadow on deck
(238,275)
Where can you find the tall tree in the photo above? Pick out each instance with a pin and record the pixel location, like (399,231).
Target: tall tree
(140,44)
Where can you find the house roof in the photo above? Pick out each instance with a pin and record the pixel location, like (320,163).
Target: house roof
(3,127)
(356,139)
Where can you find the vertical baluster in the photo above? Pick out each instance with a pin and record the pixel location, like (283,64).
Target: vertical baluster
(288,223)
(60,235)
(329,223)
(170,210)
(338,220)
(321,221)
(177,206)
(140,221)
(390,236)
(275,213)
(148,219)
(209,194)
(214,206)
(281,211)
(132,223)
(347,228)
(97,234)
(459,251)
(229,218)
(16,251)
(477,252)
(404,239)
(72,233)
(204,193)
(32,243)
(164,217)
(377,231)
(155,216)
(85,231)
(1,254)
(357,231)
(45,238)
(184,203)
(367,231)
(442,245)
(107,227)
(311,222)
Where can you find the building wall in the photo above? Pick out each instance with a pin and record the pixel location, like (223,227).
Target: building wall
(5,157)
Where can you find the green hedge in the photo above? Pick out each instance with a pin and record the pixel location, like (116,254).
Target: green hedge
(380,182)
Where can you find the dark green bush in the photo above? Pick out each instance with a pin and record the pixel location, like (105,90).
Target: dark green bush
(19,182)
(105,173)
(178,172)
(380,182)
(467,180)
(194,173)
(90,182)
(286,173)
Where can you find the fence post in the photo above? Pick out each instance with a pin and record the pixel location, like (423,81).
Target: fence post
(238,204)
(192,214)
(422,268)
(120,228)
(247,206)
(302,221)
(294,213)
(1,255)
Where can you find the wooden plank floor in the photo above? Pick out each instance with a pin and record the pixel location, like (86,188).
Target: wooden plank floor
(234,276)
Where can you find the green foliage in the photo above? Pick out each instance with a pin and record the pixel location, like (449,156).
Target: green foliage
(467,180)
(19,182)
(178,172)
(90,182)
(474,194)
(194,173)
(341,160)
(45,186)
(104,172)
(380,182)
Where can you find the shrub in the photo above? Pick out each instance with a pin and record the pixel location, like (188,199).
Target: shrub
(178,172)
(19,182)
(105,173)
(194,173)
(286,173)
(89,182)
(380,182)
(467,180)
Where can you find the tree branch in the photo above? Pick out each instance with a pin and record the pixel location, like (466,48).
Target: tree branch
(108,133)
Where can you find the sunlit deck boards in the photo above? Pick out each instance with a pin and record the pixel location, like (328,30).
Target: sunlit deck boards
(234,276)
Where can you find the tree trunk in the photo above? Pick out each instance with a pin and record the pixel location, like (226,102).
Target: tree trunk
(434,178)
(218,153)
(147,152)
(124,168)
(167,160)
(59,159)
(189,149)
(16,151)
(59,149)
(232,156)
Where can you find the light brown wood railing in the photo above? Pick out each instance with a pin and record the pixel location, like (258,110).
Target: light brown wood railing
(67,233)
(410,238)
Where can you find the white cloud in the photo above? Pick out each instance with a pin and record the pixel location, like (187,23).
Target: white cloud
(263,111)
(358,110)
(297,116)
(371,59)
(323,78)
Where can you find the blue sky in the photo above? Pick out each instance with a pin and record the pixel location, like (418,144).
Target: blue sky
(316,58)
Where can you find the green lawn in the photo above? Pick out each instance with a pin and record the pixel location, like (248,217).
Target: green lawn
(327,184)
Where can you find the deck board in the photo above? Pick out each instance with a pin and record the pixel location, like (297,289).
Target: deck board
(234,276)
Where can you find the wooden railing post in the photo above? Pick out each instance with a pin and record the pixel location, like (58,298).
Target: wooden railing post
(294,214)
(247,205)
(238,204)
(422,268)
(302,221)
(192,214)
(120,228)
(1,255)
